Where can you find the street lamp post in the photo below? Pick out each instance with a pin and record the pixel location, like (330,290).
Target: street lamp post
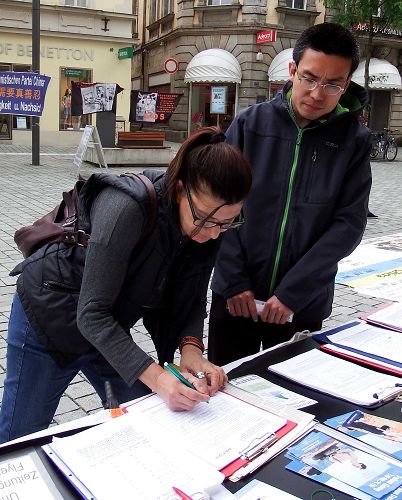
(35,69)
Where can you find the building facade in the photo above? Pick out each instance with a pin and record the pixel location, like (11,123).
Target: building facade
(225,49)
(80,41)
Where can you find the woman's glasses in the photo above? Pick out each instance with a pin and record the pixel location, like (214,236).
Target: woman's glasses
(206,222)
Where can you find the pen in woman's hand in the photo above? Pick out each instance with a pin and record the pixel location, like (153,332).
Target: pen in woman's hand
(174,371)
(170,368)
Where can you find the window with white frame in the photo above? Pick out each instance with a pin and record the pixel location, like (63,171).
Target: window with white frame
(296,4)
(76,3)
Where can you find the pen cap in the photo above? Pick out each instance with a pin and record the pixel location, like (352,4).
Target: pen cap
(111,401)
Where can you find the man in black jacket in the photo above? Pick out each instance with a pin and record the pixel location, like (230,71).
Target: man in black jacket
(307,207)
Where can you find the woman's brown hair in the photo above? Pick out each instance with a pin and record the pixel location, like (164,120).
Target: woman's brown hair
(206,161)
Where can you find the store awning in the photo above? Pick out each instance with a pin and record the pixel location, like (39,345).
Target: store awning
(278,70)
(213,65)
(383,74)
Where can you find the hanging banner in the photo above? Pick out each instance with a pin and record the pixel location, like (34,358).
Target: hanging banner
(152,107)
(87,98)
(218,100)
(22,93)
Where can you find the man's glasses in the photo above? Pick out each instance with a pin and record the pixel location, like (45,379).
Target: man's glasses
(204,222)
(329,88)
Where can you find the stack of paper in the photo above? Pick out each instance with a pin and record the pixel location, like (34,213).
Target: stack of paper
(368,344)
(129,457)
(226,432)
(339,378)
(303,421)
(389,316)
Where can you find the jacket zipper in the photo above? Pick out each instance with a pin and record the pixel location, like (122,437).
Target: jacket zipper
(60,287)
(286,211)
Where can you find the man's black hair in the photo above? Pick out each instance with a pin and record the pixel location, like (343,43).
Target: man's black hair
(330,38)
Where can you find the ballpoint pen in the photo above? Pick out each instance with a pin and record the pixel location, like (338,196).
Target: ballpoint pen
(181,494)
(170,368)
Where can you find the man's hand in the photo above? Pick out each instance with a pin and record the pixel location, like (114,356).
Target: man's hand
(243,305)
(193,361)
(275,311)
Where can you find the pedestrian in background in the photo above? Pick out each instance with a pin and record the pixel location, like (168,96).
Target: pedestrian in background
(307,208)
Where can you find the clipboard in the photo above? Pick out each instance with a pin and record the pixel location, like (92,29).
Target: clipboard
(67,472)
(353,354)
(257,450)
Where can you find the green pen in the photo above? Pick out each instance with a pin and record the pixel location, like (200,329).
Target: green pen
(170,368)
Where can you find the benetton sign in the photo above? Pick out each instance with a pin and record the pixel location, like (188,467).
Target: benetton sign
(266,36)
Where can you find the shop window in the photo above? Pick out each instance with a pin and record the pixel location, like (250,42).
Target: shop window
(75,3)
(296,4)
(66,120)
(201,114)
(9,122)
(21,122)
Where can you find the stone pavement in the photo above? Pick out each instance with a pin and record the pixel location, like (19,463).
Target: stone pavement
(27,192)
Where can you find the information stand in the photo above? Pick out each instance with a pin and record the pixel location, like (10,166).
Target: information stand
(90,134)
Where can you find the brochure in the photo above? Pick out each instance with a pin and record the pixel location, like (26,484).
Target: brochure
(329,481)
(355,467)
(381,433)
(271,392)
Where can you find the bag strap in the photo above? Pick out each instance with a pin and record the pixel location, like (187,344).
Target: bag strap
(153,204)
(72,235)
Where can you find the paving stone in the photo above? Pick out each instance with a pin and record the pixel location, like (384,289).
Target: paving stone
(28,192)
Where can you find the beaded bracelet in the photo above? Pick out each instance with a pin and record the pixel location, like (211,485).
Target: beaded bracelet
(191,341)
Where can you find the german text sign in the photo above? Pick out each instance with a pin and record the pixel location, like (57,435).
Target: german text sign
(22,93)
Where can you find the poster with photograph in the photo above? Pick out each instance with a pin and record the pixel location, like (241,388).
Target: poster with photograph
(90,98)
(152,107)
(218,100)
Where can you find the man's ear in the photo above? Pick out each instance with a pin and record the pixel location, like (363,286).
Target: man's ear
(292,69)
(345,88)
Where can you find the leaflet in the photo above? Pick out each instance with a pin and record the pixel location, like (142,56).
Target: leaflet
(270,392)
(348,464)
(381,433)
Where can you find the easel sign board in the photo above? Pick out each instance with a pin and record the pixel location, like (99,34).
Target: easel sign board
(90,133)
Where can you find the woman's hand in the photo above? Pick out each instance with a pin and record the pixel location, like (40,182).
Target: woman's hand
(193,361)
(176,395)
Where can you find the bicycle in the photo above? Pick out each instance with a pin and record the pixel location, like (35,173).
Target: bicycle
(385,143)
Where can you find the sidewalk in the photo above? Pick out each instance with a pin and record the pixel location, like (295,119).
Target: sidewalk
(28,192)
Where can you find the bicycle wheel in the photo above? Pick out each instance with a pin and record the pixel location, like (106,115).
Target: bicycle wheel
(374,151)
(391,150)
